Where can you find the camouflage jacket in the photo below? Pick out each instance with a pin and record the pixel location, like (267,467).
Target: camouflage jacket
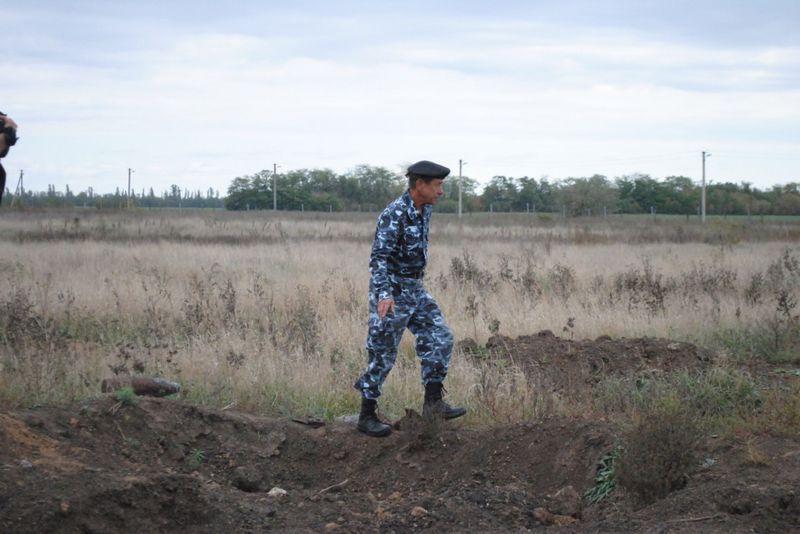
(401,244)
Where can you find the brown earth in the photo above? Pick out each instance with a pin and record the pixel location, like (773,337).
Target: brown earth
(568,366)
(164,466)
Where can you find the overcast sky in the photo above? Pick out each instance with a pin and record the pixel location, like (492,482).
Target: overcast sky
(196,93)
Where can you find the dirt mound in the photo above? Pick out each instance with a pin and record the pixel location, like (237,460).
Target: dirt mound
(568,366)
(159,465)
(162,466)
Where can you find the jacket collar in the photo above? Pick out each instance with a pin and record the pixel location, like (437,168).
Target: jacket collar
(411,210)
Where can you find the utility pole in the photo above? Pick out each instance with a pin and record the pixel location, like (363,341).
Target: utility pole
(460,164)
(19,191)
(274,187)
(129,185)
(703,192)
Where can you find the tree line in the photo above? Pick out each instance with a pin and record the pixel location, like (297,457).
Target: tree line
(173,197)
(368,188)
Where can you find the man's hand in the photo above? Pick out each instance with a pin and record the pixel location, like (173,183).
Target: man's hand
(385,306)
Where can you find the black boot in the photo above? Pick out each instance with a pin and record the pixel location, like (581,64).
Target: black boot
(368,422)
(434,406)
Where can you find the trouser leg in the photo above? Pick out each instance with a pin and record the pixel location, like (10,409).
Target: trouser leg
(434,339)
(382,341)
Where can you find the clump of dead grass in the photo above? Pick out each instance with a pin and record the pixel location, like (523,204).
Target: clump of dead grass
(658,451)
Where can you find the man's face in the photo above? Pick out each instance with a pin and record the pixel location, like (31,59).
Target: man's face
(429,192)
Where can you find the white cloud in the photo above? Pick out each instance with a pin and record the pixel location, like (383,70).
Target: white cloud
(198,107)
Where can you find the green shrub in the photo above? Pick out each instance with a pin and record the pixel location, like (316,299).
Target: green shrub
(606,479)
(714,397)
(126,396)
(196,458)
(772,340)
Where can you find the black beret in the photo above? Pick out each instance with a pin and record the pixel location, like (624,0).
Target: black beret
(428,169)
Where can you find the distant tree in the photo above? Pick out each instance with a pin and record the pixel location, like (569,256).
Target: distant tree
(681,195)
(589,196)
(240,194)
(322,180)
(787,200)
(533,195)
(500,194)
(469,199)
(376,186)
(627,203)
(647,192)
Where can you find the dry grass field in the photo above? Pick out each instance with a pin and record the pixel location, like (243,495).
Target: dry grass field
(621,375)
(267,312)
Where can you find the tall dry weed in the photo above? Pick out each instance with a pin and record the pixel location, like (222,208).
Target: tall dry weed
(658,452)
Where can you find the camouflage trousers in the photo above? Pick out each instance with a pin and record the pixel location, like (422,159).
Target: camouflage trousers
(415,309)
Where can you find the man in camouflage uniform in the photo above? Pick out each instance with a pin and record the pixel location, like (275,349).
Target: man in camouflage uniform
(398,299)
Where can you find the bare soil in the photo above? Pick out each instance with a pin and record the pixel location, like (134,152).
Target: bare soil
(164,466)
(571,367)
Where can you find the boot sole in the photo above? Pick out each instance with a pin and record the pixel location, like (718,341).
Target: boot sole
(380,434)
(442,416)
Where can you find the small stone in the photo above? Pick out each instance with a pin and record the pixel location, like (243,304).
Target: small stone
(341,455)
(26,464)
(547,518)
(418,511)
(277,492)
(566,501)
(351,420)
(330,527)
(34,421)
(542,516)
(273,443)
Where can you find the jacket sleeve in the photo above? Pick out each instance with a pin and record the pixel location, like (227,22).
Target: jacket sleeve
(386,237)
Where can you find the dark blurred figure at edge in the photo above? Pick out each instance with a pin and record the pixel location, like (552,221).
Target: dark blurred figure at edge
(8,138)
